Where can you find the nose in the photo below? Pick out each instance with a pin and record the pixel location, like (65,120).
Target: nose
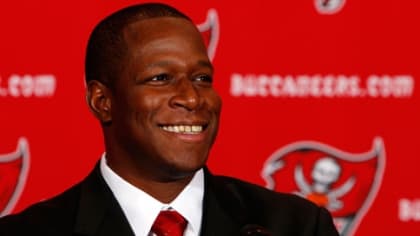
(186,96)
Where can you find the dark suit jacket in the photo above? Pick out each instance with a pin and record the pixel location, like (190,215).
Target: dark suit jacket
(231,207)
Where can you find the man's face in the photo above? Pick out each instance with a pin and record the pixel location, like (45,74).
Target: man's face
(165,112)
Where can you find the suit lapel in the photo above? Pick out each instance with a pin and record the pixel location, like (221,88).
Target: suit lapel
(99,212)
(224,213)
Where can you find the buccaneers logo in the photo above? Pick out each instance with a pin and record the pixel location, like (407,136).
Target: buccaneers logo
(210,30)
(344,183)
(14,168)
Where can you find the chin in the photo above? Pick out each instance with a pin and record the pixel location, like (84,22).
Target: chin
(186,168)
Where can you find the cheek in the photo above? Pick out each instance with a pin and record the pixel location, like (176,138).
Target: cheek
(148,105)
(215,102)
(128,109)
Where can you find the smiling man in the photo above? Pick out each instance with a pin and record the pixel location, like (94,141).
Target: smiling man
(160,115)
(149,83)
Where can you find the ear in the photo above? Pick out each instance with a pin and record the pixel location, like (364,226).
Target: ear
(98,98)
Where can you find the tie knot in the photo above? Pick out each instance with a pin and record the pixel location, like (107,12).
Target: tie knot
(169,223)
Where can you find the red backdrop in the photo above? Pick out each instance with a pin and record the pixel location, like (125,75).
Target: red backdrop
(300,81)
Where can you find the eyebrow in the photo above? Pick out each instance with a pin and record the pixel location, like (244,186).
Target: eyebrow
(206,64)
(168,62)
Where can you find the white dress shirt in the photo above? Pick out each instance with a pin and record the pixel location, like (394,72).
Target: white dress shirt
(141,209)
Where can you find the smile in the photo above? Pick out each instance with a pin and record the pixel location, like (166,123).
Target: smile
(184,129)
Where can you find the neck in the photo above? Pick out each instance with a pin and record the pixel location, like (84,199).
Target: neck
(163,185)
(164,192)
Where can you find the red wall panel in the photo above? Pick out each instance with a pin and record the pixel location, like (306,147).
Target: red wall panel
(288,73)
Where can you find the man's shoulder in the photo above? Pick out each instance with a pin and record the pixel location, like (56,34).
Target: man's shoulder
(280,213)
(262,199)
(251,190)
(58,213)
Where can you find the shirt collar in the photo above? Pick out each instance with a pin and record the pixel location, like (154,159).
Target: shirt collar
(141,209)
(189,202)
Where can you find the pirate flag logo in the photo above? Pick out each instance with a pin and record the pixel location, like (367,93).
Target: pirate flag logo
(14,168)
(210,30)
(344,183)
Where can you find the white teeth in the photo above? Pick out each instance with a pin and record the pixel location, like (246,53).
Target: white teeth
(196,128)
(186,129)
(176,129)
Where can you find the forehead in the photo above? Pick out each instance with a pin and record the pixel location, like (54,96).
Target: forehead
(163,29)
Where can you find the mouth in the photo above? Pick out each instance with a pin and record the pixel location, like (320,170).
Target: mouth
(184,129)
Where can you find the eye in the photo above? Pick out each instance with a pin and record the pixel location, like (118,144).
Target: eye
(158,79)
(204,78)
(161,77)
